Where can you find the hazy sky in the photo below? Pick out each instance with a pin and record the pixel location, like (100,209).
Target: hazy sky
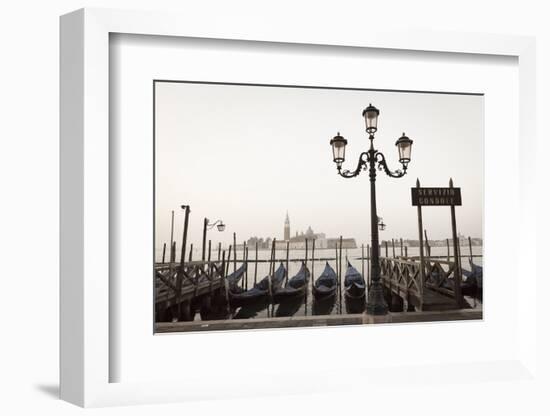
(247,154)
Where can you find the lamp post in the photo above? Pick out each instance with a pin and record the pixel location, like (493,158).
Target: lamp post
(208,226)
(371,160)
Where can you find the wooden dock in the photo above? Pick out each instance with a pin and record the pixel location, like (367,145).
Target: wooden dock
(423,284)
(199,283)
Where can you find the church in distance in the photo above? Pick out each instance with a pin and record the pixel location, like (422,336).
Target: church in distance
(298,241)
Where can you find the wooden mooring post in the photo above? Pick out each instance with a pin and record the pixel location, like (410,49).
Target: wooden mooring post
(448,250)
(219,250)
(163,253)
(225,285)
(363,260)
(312,260)
(393,247)
(228,260)
(179,279)
(287,256)
(340,278)
(460,259)
(173,252)
(235,249)
(401,245)
(311,276)
(205,226)
(312,280)
(336,259)
(270,278)
(256,265)
(427,242)
(172,255)
(207,301)
(246,270)
(243,285)
(470,245)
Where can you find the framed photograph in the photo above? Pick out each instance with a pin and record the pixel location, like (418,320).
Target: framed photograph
(228,195)
(318,269)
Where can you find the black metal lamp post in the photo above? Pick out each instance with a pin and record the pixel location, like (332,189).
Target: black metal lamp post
(370,160)
(208,226)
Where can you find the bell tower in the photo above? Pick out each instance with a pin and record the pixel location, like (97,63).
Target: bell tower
(287,228)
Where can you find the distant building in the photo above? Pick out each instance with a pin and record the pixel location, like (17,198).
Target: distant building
(346,243)
(321,241)
(298,242)
(287,228)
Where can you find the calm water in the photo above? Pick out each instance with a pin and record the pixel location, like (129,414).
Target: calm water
(300,308)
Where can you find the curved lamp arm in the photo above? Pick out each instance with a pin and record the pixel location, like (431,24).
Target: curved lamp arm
(382,165)
(363,160)
(210,226)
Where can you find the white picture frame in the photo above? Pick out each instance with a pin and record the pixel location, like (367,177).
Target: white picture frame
(86,355)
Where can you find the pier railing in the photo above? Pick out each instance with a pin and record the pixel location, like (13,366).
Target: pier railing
(438,275)
(175,284)
(409,279)
(401,275)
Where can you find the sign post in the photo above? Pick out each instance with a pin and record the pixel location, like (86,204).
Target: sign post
(452,197)
(421,248)
(458,278)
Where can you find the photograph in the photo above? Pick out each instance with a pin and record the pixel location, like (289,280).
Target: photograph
(283,206)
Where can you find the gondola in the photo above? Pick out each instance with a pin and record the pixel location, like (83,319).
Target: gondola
(295,287)
(354,283)
(289,306)
(323,305)
(477,272)
(473,284)
(251,308)
(325,285)
(259,290)
(234,278)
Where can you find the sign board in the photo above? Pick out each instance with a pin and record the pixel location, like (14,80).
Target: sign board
(436,196)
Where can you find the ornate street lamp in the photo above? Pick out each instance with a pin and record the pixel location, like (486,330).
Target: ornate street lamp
(381,225)
(338,144)
(208,226)
(219,223)
(370,160)
(404,145)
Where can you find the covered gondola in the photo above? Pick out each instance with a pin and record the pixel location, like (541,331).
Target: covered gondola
(325,286)
(354,283)
(472,285)
(234,278)
(295,287)
(289,306)
(260,289)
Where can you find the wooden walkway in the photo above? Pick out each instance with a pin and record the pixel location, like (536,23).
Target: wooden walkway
(426,288)
(179,287)
(314,321)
